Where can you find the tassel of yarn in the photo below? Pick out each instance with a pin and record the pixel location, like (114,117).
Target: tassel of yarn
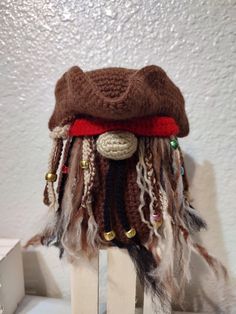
(152,184)
(216,266)
(69,224)
(147,269)
(88,156)
(58,134)
(142,182)
(193,220)
(166,241)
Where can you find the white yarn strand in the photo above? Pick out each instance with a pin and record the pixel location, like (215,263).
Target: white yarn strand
(67,205)
(60,132)
(166,244)
(147,175)
(141,172)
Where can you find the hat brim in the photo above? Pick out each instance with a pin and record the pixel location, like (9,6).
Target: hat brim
(146,126)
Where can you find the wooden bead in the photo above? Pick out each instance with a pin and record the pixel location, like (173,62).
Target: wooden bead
(109,236)
(131,233)
(51,177)
(84,164)
(158,223)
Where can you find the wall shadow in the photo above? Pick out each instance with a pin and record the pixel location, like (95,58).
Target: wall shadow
(205,293)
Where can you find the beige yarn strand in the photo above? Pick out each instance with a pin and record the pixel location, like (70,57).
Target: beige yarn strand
(57,133)
(141,171)
(89,174)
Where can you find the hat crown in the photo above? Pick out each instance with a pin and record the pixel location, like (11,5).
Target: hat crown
(118,94)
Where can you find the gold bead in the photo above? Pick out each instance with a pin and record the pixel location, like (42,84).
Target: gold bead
(84,164)
(131,233)
(51,177)
(110,235)
(158,223)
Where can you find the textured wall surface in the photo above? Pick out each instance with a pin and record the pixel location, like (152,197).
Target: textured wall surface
(194,41)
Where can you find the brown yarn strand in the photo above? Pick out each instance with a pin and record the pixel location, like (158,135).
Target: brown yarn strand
(161,173)
(65,157)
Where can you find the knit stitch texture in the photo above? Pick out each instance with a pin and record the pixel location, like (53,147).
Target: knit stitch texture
(118,94)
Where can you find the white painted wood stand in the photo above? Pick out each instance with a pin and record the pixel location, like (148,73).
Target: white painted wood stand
(12,288)
(120,290)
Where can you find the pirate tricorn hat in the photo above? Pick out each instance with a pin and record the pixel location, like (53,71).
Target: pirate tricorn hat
(118,94)
(142,102)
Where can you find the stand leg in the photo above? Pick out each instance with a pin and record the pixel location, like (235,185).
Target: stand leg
(84,287)
(121,283)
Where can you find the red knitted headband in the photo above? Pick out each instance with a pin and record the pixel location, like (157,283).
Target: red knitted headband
(148,126)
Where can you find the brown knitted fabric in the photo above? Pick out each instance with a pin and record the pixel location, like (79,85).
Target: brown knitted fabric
(132,201)
(118,94)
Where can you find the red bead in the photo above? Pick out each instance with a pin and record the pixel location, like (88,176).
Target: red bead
(157,217)
(64,169)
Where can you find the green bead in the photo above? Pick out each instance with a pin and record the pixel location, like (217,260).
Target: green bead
(174,143)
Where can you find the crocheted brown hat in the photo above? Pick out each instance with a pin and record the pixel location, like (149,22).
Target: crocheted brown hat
(118,94)
(122,179)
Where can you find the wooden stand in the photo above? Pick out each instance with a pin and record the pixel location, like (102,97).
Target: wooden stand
(84,287)
(12,288)
(121,286)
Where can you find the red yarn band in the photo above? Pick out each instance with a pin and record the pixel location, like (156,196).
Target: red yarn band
(148,126)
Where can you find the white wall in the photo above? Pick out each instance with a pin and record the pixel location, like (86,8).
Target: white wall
(194,41)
